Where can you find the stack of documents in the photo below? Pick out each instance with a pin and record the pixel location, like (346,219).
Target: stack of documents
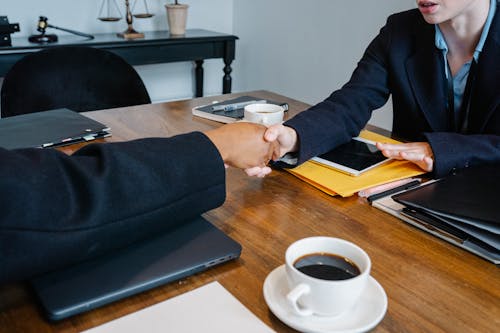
(335,182)
(462,207)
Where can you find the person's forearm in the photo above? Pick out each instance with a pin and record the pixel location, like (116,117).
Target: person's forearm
(57,209)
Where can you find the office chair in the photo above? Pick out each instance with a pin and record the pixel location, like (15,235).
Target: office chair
(78,78)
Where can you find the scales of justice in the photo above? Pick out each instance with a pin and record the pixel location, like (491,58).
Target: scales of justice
(110,12)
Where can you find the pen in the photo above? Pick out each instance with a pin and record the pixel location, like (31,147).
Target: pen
(235,106)
(397,189)
(384,187)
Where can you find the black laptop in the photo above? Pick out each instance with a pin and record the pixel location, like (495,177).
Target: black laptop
(190,248)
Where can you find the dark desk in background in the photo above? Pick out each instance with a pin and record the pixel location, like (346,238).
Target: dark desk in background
(156,47)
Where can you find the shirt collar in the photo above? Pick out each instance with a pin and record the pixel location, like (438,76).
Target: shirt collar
(440,42)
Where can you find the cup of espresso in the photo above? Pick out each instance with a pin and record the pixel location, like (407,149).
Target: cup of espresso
(326,275)
(262,113)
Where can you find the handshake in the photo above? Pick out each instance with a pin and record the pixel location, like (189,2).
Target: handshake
(251,146)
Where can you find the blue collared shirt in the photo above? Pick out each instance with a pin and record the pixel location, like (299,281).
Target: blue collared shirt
(460,78)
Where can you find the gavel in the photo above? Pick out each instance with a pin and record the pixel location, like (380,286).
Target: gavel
(50,38)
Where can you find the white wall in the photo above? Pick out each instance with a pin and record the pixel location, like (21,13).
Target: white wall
(163,81)
(306,49)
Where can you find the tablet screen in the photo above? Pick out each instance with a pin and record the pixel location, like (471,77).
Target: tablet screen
(353,157)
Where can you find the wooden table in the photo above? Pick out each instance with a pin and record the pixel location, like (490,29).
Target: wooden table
(156,47)
(432,286)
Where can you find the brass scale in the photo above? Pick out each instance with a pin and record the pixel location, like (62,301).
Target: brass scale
(110,12)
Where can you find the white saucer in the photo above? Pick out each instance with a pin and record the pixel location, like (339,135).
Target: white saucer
(363,317)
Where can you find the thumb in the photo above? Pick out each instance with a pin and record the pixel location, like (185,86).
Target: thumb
(429,164)
(272,133)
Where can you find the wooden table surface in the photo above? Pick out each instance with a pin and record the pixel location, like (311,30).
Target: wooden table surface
(432,286)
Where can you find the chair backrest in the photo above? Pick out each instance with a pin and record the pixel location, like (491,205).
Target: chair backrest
(78,78)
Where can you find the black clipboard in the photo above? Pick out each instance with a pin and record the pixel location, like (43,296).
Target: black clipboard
(50,128)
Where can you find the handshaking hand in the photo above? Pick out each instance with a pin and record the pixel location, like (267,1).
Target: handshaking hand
(242,145)
(284,136)
(285,140)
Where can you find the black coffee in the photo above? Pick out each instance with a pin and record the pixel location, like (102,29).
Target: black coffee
(327,266)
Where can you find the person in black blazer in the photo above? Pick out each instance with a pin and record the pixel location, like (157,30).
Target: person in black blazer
(403,61)
(58,209)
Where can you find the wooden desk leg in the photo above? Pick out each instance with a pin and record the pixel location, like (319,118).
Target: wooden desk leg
(229,51)
(198,72)
(226,80)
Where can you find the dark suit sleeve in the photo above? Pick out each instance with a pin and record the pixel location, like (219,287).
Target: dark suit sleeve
(58,209)
(453,151)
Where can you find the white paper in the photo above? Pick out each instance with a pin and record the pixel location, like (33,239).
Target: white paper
(210,308)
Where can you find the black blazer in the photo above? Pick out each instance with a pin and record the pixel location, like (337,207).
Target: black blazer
(58,209)
(403,61)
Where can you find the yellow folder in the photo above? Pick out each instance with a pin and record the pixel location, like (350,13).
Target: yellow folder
(335,182)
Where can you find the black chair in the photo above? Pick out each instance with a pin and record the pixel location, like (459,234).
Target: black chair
(77,78)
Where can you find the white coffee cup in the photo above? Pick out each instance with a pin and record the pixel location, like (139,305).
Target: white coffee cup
(319,296)
(266,114)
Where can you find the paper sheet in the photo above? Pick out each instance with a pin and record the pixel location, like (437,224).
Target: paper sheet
(210,308)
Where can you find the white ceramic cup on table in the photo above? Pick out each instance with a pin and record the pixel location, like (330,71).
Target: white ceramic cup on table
(265,114)
(310,295)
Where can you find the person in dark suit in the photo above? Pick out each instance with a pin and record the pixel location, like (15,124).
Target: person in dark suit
(58,209)
(441,64)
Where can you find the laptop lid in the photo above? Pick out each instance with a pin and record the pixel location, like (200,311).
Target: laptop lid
(190,248)
(469,196)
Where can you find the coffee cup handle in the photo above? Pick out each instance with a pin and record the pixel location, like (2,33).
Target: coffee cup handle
(293,297)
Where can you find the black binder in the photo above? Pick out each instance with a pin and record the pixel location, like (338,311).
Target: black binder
(464,205)
(49,129)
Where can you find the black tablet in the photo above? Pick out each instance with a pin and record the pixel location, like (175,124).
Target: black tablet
(354,157)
